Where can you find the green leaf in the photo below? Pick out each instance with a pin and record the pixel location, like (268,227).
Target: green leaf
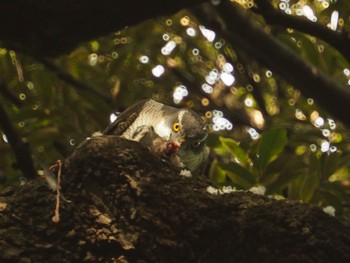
(330,164)
(216,174)
(342,173)
(293,169)
(233,147)
(311,180)
(272,143)
(239,175)
(309,186)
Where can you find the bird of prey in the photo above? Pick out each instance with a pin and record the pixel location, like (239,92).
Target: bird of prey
(167,131)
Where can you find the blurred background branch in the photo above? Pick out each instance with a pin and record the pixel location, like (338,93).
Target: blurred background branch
(274,17)
(19,147)
(246,36)
(53,28)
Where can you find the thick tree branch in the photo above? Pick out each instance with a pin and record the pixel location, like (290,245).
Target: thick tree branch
(51,28)
(339,40)
(125,205)
(239,29)
(19,148)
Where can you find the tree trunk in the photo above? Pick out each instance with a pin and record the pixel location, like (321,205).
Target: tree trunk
(123,204)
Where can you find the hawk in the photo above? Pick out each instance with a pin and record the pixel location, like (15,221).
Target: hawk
(178,134)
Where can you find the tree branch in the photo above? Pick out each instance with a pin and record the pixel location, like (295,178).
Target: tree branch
(51,28)
(19,148)
(339,40)
(126,205)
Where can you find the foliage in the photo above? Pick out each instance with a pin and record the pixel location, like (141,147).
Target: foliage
(264,132)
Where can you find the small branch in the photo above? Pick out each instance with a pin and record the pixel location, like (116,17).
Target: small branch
(339,40)
(19,148)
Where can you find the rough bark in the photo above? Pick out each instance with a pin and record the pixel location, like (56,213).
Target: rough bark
(126,205)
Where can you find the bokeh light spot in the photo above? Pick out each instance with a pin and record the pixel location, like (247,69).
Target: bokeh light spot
(253,133)
(191,31)
(169,22)
(179,93)
(319,122)
(168,48)
(158,70)
(205,102)
(4,138)
(22,96)
(325,146)
(256,78)
(112,117)
(227,78)
(93,58)
(207,88)
(208,34)
(166,37)
(310,101)
(220,122)
(248,102)
(268,73)
(334,20)
(313,147)
(309,13)
(185,21)
(227,67)
(326,132)
(144,59)
(195,51)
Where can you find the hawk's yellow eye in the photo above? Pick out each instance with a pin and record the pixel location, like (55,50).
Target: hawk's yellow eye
(176,127)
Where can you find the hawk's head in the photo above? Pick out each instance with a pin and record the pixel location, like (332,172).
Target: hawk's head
(188,131)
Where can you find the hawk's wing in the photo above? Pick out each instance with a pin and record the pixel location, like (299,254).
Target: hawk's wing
(125,119)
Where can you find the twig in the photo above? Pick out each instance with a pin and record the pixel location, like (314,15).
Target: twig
(56,217)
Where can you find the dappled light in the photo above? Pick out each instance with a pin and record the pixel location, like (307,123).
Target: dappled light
(220,122)
(195,60)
